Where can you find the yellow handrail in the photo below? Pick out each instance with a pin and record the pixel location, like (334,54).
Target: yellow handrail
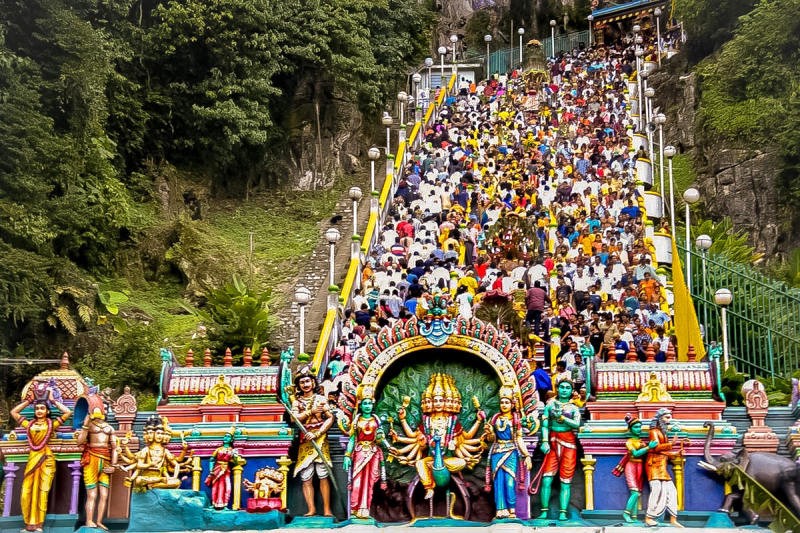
(372,223)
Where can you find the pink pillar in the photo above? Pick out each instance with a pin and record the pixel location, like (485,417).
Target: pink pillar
(77,473)
(10,470)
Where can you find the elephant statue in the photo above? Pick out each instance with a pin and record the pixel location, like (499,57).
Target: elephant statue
(779,475)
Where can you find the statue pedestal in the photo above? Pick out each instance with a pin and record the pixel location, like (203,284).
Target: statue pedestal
(263,505)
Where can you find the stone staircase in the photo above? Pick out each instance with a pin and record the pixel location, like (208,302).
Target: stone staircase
(316,270)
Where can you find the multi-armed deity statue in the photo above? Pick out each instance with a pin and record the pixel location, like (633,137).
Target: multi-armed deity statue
(439,446)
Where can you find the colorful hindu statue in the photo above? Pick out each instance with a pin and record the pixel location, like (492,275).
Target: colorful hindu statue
(439,446)
(99,460)
(509,459)
(560,420)
(313,457)
(41,466)
(154,466)
(663,494)
(631,465)
(220,465)
(363,458)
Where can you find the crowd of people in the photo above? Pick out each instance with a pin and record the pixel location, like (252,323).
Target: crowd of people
(525,191)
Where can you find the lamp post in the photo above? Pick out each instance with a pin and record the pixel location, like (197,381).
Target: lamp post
(521,32)
(703,243)
(690,196)
(670,152)
(332,236)
(488,39)
(373,154)
(553,24)
(590,18)
(723,298)
(428,65)
(402,96)
(442,52)
(649,93)
(661,119)
(302,296)
(453,41)
(416,78)
(657,14)
(387,120)
(639,52)
(355,195)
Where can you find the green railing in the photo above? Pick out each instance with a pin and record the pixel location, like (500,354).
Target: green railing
(763,325)
(507,58)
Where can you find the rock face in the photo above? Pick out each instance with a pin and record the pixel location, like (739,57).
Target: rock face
(325,136)
(736,180)
(740,183)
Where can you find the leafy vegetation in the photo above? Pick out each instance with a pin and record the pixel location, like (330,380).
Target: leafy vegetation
(111,110)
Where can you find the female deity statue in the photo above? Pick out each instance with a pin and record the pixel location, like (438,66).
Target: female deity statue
(449,447)
(631,466)
(220,466)
(363,458)
(505,467)
(41,467)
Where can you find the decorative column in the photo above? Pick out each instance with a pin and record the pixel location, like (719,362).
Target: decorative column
(77,473)
(677,467)
(589,463)
(237,487)
(196,470)
(10,470)
(759,437)
(283,468)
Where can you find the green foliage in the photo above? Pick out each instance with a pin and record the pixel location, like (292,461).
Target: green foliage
(131,359)
(732,382)
(709,23)
(755,79)
(727,242)
(238,317)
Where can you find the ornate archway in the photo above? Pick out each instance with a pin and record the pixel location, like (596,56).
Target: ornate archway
(471,335)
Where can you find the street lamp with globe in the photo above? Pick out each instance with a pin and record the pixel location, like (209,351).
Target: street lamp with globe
(690,196)
(373,154)
(670,152)
(660,119)
(521,32)
(442,52)
(402,97)
(723,298)
(703,243)
(332,236)
(453,41)
(590,18)
(488,39)
(302,296)
(355,195)
(553,25)
(387,120)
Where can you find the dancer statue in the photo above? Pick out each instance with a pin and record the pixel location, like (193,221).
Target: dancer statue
(41,466)
(505,467)
(560,420)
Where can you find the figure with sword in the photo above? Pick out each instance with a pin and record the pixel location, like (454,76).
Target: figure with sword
(312,414)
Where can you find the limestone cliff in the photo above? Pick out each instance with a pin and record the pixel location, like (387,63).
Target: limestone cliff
(736,179)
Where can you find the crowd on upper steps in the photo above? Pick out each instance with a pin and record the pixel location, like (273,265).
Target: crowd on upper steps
(525,191)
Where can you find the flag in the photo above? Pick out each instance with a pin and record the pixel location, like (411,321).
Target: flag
(687,328)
